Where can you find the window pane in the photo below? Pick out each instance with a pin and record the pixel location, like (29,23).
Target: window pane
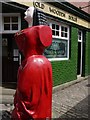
(62,48)
(79,33)
(65,29)
(62,34)
(57,27)
(62,28)
(6,26)
(58,49)
(53,26)
(57,33)
(14,19)
(14,26)
(79,37)
(66,35)
(53,32)
(6,19)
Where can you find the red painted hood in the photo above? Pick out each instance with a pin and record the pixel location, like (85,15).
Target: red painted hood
(35,38)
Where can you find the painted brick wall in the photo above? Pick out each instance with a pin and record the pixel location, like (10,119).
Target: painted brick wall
(87,58)
(64,71)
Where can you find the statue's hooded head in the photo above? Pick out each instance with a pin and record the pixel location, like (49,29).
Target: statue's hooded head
(35,39)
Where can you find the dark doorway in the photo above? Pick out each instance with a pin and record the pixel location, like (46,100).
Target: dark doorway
(10,58)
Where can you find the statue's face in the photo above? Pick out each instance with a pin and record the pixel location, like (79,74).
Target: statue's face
(29,13)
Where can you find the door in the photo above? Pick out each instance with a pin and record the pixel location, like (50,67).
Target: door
(79,59)
(80,51)
(10,58)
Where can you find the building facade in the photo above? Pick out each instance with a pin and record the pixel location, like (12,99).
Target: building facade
(69,52)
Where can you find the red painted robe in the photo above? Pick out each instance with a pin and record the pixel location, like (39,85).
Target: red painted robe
(33,97)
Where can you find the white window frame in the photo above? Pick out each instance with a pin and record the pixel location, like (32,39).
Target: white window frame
(11,15)
(59,37)
(67,32)
(55,30)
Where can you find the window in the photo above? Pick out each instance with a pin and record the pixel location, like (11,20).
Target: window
(80,36)
(11,22)
(64,31)
(59,50)
(55,30)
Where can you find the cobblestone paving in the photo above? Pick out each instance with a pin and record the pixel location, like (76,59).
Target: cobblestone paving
(5,111)
(72,102)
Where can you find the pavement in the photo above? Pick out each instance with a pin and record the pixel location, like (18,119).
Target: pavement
(72,100)
(69,101)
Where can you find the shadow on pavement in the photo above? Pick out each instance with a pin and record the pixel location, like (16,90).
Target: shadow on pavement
(88,85)
(78,112)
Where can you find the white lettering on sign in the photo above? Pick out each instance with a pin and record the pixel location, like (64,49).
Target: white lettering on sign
(54,11)
(72,18)
(39,5)
(57,12)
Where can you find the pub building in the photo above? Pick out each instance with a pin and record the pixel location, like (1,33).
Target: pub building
(69,52)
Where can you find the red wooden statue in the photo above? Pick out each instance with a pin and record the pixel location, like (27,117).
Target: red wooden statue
(33,97)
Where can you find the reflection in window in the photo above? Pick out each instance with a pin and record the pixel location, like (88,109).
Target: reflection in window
(58,49)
